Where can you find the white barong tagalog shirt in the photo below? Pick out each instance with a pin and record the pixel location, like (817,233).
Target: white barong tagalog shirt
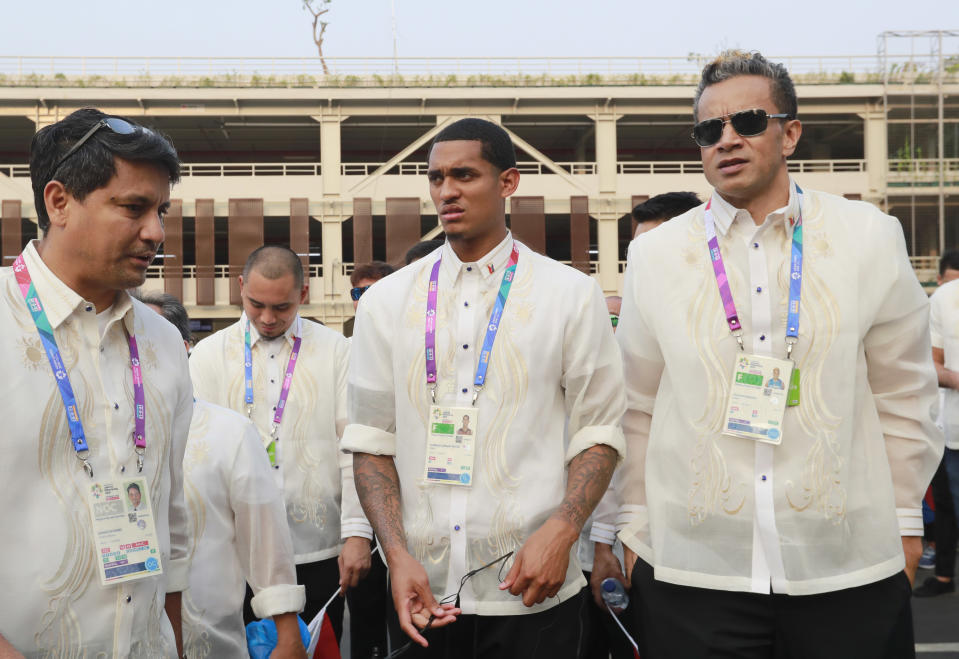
(554,359)
(238,521)
(53,603)
(824,510)
(315,476)
(944,329)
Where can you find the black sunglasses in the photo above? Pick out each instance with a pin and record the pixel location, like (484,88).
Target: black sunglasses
(115,124)
(748,123)
(357,291)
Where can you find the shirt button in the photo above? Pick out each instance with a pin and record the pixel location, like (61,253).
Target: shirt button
(129,599)
(466,304)
(755,245)
(464,390)
(469,268)
(116,406)
(89,308)
(759,289)
(456,528)
(466,346)
(123,468)
(764,477)
(272,380)
(272,356)
(762,337)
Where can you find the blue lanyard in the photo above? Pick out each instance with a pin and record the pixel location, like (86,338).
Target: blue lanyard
(491,328)
(795,278)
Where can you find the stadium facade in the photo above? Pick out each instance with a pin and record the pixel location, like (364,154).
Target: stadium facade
(334,164)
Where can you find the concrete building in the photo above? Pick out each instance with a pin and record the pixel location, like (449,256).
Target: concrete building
(334,165)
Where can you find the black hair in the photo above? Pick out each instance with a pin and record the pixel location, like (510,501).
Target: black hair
(374,270)
(733,63)
(92,166)
(421,249)
(273,262)
(665,206)
(496,146)
(949,261)
(171,309)
(134,486)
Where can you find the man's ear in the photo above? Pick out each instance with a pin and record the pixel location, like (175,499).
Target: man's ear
(509,181)
(792,131)
(240,280)
(56,199)
(305,292)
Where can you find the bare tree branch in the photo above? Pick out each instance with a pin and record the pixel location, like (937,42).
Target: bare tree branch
(319,27)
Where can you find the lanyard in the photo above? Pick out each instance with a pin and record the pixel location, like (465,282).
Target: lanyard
(795,279)
(77,436)
(287,379)
(491,329)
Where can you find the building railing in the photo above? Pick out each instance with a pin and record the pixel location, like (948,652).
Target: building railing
(77,71)
(420,168)
(159,271)
(922,171)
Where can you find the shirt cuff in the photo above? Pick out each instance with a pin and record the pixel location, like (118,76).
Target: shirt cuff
(595,435)
(281,598)
(177,573)
(355,526)
(366,439)
(605,533)
(910,521)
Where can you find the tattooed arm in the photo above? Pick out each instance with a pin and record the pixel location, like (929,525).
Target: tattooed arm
(539,570)
(378,486)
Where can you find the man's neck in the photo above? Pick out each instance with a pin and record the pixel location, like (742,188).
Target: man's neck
(60,265)
(774,197)
(470,250)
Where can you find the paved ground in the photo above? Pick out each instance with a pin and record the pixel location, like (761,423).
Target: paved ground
(937,624)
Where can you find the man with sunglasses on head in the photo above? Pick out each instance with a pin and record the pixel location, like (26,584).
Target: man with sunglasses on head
(96,394)
(365,275)
(483,524)
(288,375)
(786,524)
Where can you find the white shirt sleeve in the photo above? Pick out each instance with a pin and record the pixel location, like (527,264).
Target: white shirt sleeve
(177,570)
(263,542)
(353,521)
(903,382)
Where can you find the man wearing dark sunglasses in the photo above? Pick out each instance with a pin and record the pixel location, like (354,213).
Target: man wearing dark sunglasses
(751,519)
(97,395)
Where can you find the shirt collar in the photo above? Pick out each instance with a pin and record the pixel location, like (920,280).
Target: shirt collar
(724,213)
(293,331)
(488,266)
(60,301)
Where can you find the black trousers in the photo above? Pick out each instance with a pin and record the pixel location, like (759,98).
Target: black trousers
(944,524)
(556,633)
(369,606)
(602,638)
(868,622)
(321,579)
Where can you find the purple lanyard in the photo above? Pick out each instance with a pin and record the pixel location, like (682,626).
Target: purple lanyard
(287,380)
(795,278)
(78,437)
(491,328)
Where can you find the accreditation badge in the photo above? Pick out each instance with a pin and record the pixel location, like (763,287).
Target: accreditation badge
(757,398)
(124,530)
(450,443)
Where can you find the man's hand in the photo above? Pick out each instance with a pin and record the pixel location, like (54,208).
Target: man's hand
(539,567)
(172,605)
(289,645)
(413,598)
(912,549)
(629,558)
(605,565)
(354,562)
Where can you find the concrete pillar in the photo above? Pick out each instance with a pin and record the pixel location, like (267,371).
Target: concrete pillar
(607,242)
(330,153)
(875,151)
(606,151)
(332,237)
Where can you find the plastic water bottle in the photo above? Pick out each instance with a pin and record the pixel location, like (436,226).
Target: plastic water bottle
(614,594)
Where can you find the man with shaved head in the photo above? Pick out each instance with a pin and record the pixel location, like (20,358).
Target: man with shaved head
(288,375)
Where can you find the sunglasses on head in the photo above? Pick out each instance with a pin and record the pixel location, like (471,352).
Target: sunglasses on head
(117,125)
(747,123)
(357,291)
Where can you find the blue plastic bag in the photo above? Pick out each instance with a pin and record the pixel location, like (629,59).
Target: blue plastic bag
(261,637)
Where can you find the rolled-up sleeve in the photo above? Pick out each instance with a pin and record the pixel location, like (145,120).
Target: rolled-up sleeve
(370,390)
(903,381)
(353,521)
(177,568)
(643,361)
(592,378)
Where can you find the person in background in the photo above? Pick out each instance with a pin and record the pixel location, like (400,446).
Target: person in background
(661,208)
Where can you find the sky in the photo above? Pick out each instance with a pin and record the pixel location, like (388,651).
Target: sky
(431,28)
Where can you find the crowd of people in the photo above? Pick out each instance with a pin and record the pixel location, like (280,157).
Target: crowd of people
(742,440)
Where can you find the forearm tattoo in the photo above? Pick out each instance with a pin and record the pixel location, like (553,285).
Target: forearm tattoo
(378,486)
(589,474)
